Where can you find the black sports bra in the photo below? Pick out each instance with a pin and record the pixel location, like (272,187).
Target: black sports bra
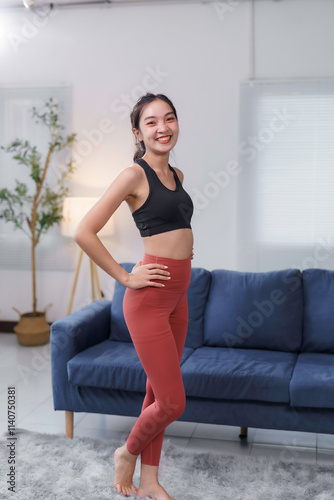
(164,209)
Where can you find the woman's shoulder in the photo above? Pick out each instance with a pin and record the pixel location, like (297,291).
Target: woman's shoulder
(128,178)
(134,171)
(179,174)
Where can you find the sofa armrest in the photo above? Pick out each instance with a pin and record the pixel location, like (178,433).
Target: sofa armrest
(69,336)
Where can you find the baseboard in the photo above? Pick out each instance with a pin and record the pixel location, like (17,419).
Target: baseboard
(7,326)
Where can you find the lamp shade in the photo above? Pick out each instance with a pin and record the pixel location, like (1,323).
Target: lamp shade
(74,209)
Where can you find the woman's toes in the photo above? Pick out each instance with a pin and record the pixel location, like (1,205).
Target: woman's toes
(124,469)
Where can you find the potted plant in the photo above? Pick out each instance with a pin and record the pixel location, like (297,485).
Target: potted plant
(36,212)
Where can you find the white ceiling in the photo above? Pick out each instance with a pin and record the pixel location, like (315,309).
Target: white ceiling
(19,3)
(38,3)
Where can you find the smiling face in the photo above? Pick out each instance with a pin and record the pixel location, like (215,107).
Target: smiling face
(158,127)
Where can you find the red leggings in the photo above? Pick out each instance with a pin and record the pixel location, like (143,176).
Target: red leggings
(157,319)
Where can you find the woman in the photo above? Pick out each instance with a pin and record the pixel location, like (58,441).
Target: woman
(155,302)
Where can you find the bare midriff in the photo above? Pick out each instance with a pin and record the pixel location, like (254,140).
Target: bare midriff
(177,244)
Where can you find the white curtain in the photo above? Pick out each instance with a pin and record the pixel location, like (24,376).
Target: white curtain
(286,179)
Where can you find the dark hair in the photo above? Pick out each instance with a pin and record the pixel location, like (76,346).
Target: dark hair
(135,117)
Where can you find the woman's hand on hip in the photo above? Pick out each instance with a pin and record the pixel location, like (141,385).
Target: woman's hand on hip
(141,275)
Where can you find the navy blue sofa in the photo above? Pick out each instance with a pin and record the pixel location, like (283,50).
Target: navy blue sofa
(259,353)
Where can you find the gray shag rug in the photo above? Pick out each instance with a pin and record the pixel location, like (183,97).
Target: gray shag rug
(51,467)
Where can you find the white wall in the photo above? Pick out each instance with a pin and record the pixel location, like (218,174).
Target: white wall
(294,38)
(203,51)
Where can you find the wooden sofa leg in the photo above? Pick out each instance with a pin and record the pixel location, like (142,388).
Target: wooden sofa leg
(243,432)
(69,424)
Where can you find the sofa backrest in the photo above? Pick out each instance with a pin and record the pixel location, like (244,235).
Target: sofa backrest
(318,335)
(119,330)
(262,310)
(198,292)
(197,298)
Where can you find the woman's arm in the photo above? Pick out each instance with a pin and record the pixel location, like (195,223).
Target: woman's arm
(123,186)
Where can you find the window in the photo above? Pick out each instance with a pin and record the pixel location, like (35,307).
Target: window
(286,184)
(16,122)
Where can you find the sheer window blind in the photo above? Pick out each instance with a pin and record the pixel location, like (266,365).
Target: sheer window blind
(286,150)
(53,252)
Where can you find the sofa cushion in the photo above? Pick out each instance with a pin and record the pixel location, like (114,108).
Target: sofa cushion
(312,384)
(197,297)
(111,365)
(318,311)
(242,374)
(255,310)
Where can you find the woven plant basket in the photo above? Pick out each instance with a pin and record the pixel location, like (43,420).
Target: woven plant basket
(32,329)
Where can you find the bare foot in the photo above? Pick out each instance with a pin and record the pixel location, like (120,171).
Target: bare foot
(125,465)
(155,491)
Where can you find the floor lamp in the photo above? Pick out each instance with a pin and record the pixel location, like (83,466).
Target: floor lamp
(74,209)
